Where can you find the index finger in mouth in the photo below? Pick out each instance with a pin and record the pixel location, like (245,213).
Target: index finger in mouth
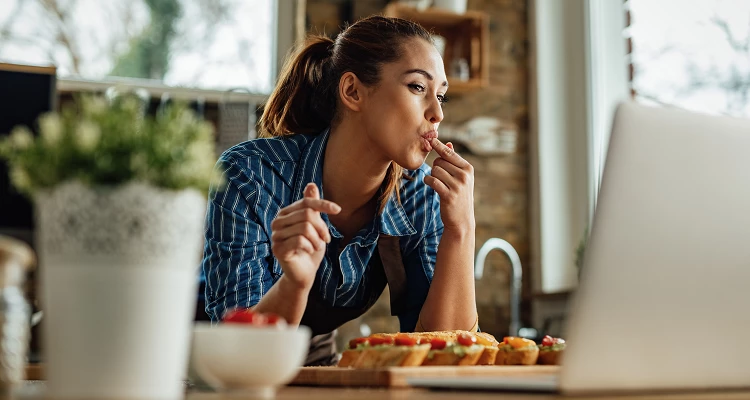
(448,153)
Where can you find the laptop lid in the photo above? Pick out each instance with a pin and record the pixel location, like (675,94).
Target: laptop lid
(665,289)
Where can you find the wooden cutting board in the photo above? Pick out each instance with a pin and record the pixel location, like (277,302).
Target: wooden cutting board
(396,376)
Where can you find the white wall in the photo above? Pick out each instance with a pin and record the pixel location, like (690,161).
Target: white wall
(578,75)
(559,135)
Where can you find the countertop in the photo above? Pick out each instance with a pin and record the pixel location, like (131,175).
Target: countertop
(312,393)
(35,390)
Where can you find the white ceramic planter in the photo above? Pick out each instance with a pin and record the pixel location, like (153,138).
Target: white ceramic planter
(119,278)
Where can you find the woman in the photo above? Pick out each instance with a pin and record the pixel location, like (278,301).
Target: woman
(312,220)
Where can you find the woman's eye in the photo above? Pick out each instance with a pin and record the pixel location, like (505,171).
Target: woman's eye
(421,89)
(417,87)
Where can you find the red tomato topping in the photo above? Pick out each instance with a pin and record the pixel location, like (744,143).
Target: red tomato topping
(466,339)
(403,340)
(245,316)
(354,342)
(273,319)
(248,316)
(381,340)
(437,344)
(550,341)
(237,315)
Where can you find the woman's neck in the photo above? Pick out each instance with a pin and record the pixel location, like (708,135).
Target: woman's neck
(352,171)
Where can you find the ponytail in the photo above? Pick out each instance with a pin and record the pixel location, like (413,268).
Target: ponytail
(302,101)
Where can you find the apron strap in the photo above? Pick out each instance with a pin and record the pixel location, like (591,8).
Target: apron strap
(323,319)
(390,255)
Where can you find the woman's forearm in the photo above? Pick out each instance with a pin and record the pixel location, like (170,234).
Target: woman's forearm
(285,299)
(451,300)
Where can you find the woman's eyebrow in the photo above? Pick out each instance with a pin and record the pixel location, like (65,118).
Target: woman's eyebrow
(423,72)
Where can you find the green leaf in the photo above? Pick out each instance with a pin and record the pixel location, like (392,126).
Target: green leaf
(102,142)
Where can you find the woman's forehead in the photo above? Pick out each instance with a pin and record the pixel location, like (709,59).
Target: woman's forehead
(418,54)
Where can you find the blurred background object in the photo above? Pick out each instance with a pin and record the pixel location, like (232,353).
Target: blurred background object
(27,93)
(236,121)
(16,258)
(456,6)
(209,44)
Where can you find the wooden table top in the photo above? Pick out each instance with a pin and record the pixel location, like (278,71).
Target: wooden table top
(331,393)
(34,390)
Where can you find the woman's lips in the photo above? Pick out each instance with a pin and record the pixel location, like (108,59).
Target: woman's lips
(427,139)
(426,146)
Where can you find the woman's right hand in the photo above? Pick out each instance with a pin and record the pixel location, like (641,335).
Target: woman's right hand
(299,236)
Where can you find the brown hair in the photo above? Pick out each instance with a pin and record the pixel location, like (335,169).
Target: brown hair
(306,95)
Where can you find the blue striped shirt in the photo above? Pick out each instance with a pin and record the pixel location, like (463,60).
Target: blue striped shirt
(262,176)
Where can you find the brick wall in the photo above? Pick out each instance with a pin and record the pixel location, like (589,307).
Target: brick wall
(501,182)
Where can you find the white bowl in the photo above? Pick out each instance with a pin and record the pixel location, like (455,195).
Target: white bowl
(238,357)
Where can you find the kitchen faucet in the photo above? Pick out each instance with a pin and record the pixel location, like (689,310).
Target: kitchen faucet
(516,275)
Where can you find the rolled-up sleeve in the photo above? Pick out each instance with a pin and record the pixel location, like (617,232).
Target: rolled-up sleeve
(236,253)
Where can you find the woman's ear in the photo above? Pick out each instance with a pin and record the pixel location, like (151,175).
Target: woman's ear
(351,91)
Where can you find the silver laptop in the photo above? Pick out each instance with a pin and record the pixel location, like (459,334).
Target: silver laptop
(664,299)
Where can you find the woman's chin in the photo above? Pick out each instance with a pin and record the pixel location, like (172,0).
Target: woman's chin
(413,163)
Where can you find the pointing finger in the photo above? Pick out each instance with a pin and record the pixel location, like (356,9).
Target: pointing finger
(311,191)
(447,153)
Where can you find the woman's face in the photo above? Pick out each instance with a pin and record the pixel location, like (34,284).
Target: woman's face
(402,112)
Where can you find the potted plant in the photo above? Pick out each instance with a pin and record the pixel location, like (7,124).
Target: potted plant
(119,201)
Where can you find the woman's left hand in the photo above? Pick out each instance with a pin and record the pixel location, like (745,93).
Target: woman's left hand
(453,180)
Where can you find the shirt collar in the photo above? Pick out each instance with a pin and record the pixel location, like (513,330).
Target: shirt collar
(311,165)
(393,221)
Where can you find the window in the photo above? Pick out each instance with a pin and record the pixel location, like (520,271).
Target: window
(208,44)
(692,54)
(578,76)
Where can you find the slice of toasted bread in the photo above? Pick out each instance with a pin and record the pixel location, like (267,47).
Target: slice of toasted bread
(450,336)
(485,339)
(391,356)
(416,356)
(488,356)
(469,356)
(551,357)
(490,348)
(522,356)
(368,359)
(349,357)
(404,356)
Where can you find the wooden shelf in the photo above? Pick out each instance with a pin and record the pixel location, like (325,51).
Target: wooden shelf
(34,372)
(30,69)
(461,87)
(466,36)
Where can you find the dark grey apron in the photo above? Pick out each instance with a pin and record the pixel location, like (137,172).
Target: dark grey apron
(387,267)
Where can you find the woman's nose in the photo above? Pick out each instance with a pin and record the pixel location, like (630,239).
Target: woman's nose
(434,113)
